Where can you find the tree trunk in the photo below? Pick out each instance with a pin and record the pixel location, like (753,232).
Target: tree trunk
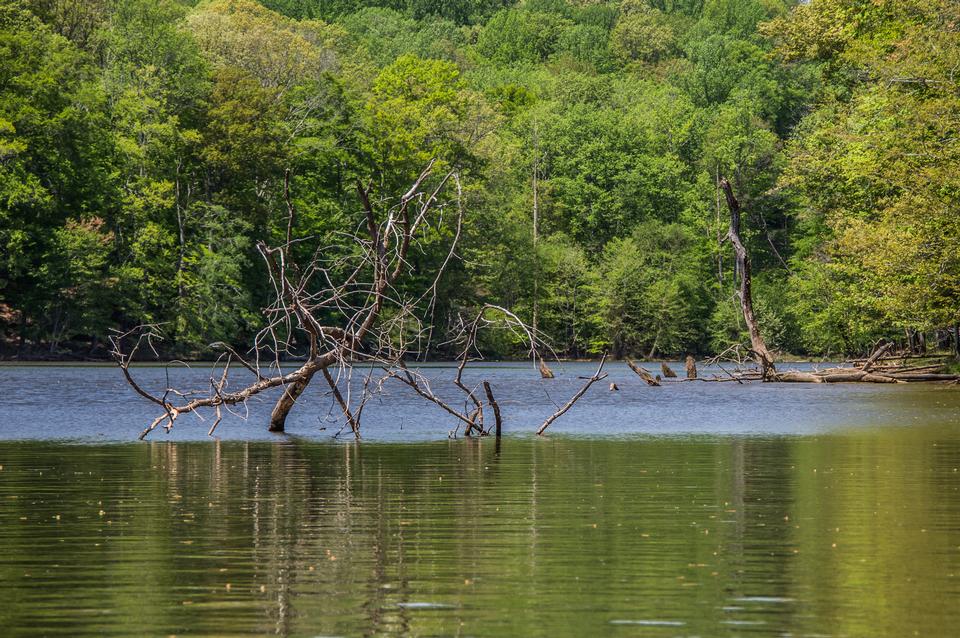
(956,340)
(691,365)
(536,229)
(292,392)
(653,348)
(22,345)
(757,344)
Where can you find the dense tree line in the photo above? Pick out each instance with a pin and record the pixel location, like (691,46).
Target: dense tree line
(144,143)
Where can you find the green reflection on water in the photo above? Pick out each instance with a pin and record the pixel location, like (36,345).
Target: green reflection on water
(854,534)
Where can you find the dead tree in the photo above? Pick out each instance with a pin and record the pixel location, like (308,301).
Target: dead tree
(758,346)
(332,313)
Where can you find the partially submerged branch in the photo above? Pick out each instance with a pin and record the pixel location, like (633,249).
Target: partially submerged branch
(597,376)
(643,374)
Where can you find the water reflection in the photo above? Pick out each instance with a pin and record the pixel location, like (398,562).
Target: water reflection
(842,535)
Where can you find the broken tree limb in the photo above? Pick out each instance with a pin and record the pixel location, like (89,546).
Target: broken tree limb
(347,413)
(925,377)
(876,355)
(757,344)
(643,374)
(597,376)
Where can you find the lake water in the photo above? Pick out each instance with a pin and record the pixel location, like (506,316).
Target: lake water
(698,509)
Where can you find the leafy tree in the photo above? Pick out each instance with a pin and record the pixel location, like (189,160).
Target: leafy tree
(648,296)
(642,36)
(81,266)
(521,36)
(384,35)
(55,160)
(876,170)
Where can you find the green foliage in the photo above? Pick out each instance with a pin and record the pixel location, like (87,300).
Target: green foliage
(384,35)
(648,293)
(144,144)
(521,36)
(875,167)
(419,110)
(81,265)
(643,36)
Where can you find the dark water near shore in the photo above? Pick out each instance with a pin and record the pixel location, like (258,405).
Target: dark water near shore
(694,510)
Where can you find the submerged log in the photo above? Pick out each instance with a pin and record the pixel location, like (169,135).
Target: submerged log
(667,371)
(643,374)
(691,367)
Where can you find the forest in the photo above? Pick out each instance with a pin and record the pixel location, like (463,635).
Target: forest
(147,146)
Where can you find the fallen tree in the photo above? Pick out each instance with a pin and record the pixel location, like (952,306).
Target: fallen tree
(333,314)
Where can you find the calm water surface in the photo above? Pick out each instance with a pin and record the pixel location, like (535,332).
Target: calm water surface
(694,510)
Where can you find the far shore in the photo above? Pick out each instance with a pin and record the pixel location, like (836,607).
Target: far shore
(102,363)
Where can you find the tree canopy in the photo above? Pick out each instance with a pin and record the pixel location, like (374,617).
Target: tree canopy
(144,146)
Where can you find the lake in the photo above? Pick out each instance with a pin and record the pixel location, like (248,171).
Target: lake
(697,509)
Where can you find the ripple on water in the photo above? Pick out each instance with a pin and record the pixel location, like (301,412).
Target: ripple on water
(559,537)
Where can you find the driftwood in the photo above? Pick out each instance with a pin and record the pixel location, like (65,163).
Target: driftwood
(643,374)
(691,365)
(668,373)
(869,372)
